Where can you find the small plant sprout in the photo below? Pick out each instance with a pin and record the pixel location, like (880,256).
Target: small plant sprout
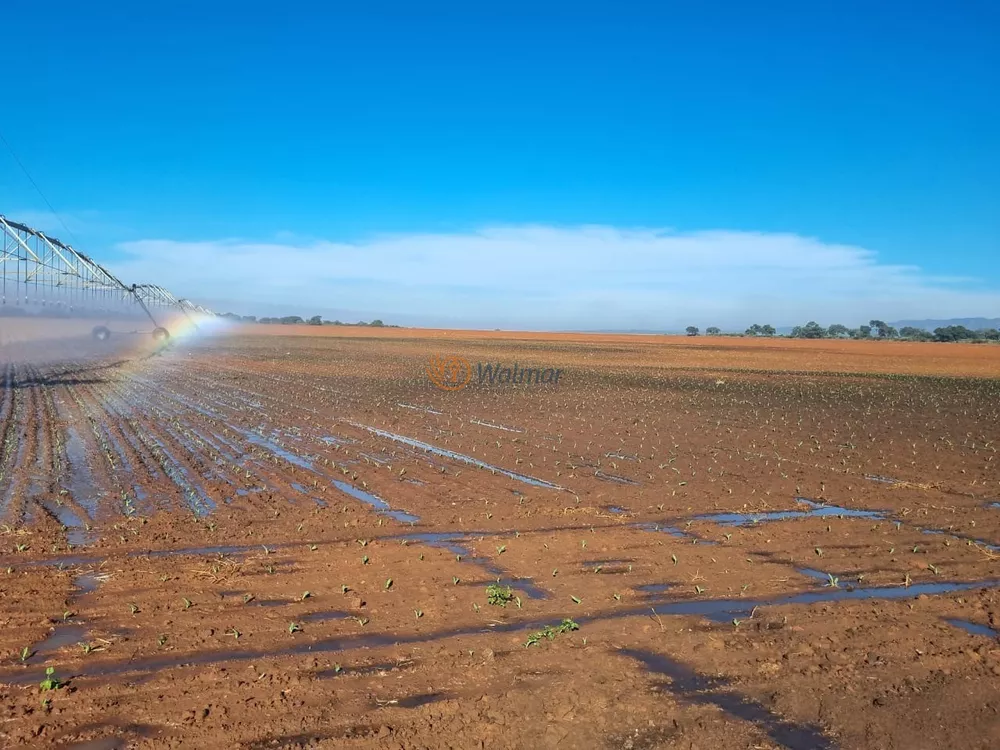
(305,595)
(832,581)
(699,589)
(454,580)
(819,552)
(555,572)
(576,600)
(133,608)
(51,682)
(498,595)
(294,627)
(501,549)
(161,641)
(388,584)
(187,603)
(419,613)
(234,633)
(344,588)
(364,559)
(933,569)
(313,548)
(26,653)
(549,632)
(674,559)
(247,598)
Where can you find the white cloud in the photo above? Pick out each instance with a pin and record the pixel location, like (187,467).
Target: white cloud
(554,277)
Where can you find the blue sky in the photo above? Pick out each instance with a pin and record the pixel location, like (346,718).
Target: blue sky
(833,159)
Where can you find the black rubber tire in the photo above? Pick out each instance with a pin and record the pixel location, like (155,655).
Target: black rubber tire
(101,333)
(161,334)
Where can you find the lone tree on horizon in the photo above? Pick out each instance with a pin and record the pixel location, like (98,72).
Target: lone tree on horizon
(692,330)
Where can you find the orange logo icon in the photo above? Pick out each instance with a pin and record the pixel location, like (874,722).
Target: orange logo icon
(449,373)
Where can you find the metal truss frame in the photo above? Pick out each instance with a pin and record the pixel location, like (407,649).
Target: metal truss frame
(31,261)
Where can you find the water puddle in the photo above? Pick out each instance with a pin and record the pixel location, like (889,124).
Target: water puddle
(616,510)
(61,637)
(333,440)
(816,510)
(325,616)
(974,628)
(413,443)
(673,531)
(616,479)
(420,408)
(375,502)
(494,426)
(881,479)
(77,534)
(726,610)
(653,588)
(688,685)
(262,442)
(82,486)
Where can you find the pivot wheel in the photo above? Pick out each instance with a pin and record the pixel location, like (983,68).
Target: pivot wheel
(100,333)
(161,334)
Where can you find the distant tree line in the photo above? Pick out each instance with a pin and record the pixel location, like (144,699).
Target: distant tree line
(315,320)
(875,329)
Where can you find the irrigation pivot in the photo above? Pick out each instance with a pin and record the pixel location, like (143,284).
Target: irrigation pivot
(44,277)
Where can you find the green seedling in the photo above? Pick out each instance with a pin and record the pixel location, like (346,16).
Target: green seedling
(933,569)
(234,633)
(133,608)
(549,632)
(699,589)
(616,597)
(344,588)
(832,582)
(501,549)
(26,653)
(364,559)
(454,580)
(419,613)
(555,572)
(498,595)
(475,606)
(517,601)
(363,542)
(337,669)
(247,598)
(187,603)
(362,621)
(86,648)
(50,682)
(576,600)
(270,570)
(819,552)
(294,627)
(313,548)
(161,641)
(458,558)
(674,558)
(66,615)
(305,595)
(598,568)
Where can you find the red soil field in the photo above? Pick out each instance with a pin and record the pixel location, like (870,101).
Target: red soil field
(288,537)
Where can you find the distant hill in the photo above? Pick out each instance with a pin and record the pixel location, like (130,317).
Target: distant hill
(974,324)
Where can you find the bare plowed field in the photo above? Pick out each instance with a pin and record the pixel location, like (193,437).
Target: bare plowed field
(298,541)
